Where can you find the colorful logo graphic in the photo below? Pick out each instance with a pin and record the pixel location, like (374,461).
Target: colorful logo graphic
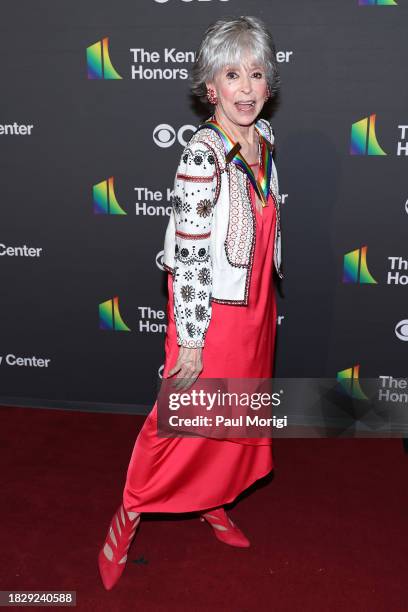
(377,3)
(350,383)
(355,268)
(99,62)
(363,138)
(110,317)
(104,199)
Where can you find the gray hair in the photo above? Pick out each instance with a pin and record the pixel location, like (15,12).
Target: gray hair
(224,43)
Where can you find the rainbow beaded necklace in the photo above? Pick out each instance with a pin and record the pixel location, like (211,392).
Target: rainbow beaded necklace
(260,183)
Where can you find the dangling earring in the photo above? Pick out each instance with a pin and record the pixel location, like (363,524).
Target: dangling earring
(268,93)
(211,95)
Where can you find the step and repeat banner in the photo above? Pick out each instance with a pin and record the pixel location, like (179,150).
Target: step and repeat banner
(94,113)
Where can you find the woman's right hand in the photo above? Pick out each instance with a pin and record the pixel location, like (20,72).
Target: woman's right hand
(189,364)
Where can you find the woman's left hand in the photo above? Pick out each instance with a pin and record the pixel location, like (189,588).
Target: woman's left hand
(189,365)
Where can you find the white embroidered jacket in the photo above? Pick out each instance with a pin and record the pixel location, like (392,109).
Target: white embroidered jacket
(210,238)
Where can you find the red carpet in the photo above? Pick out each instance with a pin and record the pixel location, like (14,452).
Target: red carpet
(328,531)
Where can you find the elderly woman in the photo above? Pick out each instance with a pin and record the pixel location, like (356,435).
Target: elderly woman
(221,247)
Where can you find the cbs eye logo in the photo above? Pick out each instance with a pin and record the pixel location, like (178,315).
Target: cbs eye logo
(159,260)
(401,330)
(164,135)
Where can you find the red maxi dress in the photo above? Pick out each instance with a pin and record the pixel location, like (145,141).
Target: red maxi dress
(187,474)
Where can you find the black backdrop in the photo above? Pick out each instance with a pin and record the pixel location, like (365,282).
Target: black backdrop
(340,63)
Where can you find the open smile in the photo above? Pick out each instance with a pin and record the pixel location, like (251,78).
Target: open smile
(245,105)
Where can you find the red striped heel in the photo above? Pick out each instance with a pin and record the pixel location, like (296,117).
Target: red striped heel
(225,529)
(113,555)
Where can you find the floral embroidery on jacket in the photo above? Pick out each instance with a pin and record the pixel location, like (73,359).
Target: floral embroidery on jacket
(195,191)
(204,208)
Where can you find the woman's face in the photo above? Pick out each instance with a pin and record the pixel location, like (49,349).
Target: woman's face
(241,91)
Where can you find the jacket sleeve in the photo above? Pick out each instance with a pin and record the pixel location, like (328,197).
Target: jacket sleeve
(194,198)
(277,257)
(278,231)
